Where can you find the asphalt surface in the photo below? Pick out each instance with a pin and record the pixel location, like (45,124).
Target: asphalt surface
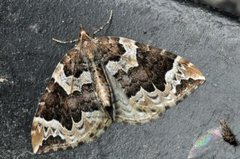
(28,57)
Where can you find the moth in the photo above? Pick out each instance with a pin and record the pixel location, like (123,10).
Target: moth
(104,80)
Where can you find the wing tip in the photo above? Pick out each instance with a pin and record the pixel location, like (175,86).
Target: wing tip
(190,70)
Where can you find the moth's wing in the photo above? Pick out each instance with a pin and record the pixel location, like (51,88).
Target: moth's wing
(145,80)
(68,113)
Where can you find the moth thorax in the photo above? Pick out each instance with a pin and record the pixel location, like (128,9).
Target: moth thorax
(83,35)
(88,49)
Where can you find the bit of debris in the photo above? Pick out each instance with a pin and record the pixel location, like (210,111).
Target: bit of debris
(3,80)
(227,134)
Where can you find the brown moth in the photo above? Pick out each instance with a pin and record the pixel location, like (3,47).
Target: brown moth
(104,80)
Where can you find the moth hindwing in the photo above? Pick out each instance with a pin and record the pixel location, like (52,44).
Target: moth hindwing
(104,80)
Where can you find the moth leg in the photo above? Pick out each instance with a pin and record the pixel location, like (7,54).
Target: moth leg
(65,42)
(102,27)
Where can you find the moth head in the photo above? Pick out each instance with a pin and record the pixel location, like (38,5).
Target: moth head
(83,35)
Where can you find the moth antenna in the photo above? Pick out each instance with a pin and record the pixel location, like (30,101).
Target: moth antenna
(102,27)
(65,42)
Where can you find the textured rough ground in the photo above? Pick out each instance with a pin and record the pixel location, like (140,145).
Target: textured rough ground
(28,57)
